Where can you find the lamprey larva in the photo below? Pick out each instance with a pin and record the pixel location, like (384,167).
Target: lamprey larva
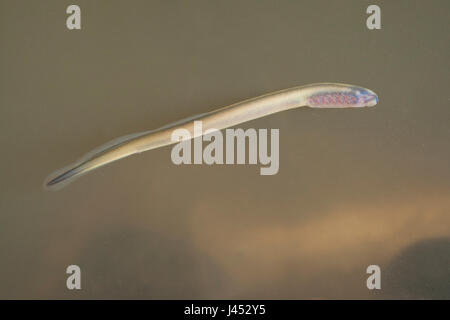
(321,95)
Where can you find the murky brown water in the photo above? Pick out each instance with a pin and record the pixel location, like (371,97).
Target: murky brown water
(355,187)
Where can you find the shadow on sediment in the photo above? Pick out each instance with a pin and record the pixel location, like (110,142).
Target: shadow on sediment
(421,271)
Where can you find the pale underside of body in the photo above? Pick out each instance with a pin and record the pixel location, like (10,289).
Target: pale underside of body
(322,95)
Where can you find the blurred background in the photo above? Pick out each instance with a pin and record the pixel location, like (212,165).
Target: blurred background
(355,187)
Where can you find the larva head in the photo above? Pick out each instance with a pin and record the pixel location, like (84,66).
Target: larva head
(346,97)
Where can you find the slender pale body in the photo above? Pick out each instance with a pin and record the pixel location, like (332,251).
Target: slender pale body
(321,95)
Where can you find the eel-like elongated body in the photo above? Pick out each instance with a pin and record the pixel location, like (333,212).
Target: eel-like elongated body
(321,95)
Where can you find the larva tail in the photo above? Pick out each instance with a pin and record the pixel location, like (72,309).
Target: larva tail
(96,158)
(62,177)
